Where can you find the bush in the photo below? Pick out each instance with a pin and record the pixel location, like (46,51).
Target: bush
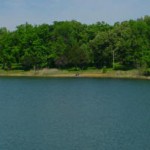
(118,66)
(104,69)
(146,72)
(74,69)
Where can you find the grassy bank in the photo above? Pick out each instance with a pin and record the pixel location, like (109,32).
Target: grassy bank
(90,73)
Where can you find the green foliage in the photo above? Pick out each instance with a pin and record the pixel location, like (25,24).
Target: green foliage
(104,69)
(70,44)
(118,66)
(146,72)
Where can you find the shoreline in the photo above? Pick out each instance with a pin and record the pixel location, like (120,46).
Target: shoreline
(55,73)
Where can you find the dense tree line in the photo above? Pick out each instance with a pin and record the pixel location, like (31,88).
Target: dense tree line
(68,44)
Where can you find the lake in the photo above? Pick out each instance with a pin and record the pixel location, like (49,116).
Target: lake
(74,114)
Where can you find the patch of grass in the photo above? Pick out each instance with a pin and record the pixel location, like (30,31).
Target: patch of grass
(90,72)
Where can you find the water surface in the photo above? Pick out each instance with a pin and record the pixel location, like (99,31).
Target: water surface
(74,114)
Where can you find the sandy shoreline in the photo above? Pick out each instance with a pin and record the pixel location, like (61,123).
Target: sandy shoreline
(54,73)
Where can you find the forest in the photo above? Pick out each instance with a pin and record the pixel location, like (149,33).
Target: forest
(71,44)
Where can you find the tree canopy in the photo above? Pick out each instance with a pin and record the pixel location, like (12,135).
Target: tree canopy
(66,44)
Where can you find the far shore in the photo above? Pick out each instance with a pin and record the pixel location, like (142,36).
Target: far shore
(96,73)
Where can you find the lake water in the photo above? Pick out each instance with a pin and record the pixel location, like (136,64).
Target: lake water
(74,114)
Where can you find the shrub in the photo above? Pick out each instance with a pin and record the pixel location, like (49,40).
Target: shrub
(118,66)
(104,69)
(146,72)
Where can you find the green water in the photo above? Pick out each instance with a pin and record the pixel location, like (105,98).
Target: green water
(74,114)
